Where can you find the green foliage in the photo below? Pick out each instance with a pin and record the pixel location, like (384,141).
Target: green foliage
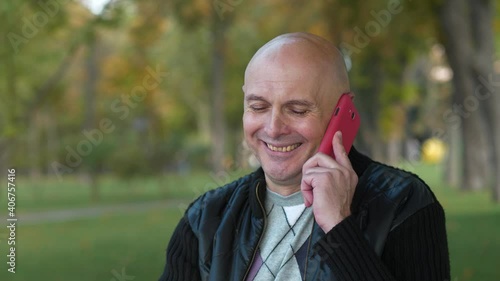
(124,168)
(177,37)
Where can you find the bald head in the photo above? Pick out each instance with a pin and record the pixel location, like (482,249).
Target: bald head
(291,87)
(311,53)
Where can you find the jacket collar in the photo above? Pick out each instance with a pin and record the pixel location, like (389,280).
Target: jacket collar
(257,191)
(360,162)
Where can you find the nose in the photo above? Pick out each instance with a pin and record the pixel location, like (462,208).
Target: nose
(277,124)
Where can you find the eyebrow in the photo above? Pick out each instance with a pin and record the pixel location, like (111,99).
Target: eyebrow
(253,97)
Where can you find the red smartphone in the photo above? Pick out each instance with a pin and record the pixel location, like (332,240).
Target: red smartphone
(345,118)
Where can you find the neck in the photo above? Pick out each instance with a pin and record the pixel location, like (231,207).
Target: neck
(282,189)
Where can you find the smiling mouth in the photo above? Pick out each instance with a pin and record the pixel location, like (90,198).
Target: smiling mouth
(283,148)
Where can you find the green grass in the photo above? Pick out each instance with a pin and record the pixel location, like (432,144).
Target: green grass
(71,192)
(90,249)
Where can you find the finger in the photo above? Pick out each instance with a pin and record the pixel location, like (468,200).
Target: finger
(320,160)
(319,176)
(339,151)
(324,165)
(307,193)
(314,171)
(308,198)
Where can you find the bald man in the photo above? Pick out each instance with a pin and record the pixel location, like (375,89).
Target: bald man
(304,215)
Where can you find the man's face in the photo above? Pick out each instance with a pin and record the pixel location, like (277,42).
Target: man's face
(286,112)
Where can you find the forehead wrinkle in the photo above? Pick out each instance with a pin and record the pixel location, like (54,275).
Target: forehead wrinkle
(254,97)
(301,102)
(270,86)
(284,88)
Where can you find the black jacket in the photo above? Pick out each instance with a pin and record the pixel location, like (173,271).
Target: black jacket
(396,232)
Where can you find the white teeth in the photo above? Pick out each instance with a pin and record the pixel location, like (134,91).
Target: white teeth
(283,148)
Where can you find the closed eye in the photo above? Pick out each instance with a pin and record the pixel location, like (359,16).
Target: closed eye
(299,112)
(257,108)
(299,107)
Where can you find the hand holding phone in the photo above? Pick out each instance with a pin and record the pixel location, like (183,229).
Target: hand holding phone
(326,190)
(345,118)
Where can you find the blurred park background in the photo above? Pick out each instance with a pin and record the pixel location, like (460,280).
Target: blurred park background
(117,114)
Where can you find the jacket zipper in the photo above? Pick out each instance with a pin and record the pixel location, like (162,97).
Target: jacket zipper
(308,249)
(261,234)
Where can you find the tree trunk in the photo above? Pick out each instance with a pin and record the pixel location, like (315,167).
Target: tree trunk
(394,151)
(218,129)
(487,89)
(52,138)
(203,121)
(4,160)
(11,109)
(369,104)
(454,158)
(47,87)
(34,147)
(474,166)
(459,45)
(90,172)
